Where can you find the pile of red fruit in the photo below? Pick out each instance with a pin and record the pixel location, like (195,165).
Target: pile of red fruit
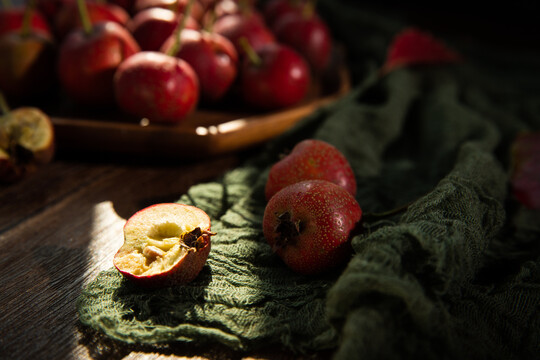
(311,213)
(160,58)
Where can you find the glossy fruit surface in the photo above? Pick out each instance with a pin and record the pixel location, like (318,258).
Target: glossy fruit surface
(309,224)
(164,244)
(68,19)
(11,19)
(249,26)
(281,79)
(178,6)
(412,47)
(151,27)
(156,86)
(307,34)
(87,62)
(311,159)
(225,7)
(212,56)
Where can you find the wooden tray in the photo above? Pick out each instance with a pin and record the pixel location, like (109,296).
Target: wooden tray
(204,133)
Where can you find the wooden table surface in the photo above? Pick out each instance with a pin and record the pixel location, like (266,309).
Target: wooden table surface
(58,229)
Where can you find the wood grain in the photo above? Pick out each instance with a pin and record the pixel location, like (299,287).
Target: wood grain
(61,226)
(58,229)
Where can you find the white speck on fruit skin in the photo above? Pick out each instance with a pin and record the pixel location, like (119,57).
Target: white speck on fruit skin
(170,84)
(296,73)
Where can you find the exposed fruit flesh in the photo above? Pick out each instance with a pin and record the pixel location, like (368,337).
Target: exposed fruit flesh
(156,242)
(26,134)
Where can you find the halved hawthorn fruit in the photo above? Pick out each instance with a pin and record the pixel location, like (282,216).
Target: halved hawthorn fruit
(164,244)
(26,142)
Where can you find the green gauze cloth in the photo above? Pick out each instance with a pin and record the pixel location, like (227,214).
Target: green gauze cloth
(456,275)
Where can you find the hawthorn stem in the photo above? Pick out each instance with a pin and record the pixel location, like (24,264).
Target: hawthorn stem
(244,7)
(209,25)
(175,48)
(4,107)
(309,9)
(85,18)
(27,16)
(250,52)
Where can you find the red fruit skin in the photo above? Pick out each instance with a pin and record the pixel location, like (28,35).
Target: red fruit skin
(252,27)
(525,172)
(86,63)
(178,6)
(281,79)
(27,64)
(151,27)
(125,4)
(309,35)
(68,18)
(212,56)
(160,87)
(415,47)
(325,215)
(183,272)
(49,8)
(309,160)
(275,9)
(11,20)
(226,7)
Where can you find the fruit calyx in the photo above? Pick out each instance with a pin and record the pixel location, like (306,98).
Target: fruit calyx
(164,244)
(197,239)
(288,230)
(191,242)
(158,245)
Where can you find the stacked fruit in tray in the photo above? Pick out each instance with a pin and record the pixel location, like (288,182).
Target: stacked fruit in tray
(161,59)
